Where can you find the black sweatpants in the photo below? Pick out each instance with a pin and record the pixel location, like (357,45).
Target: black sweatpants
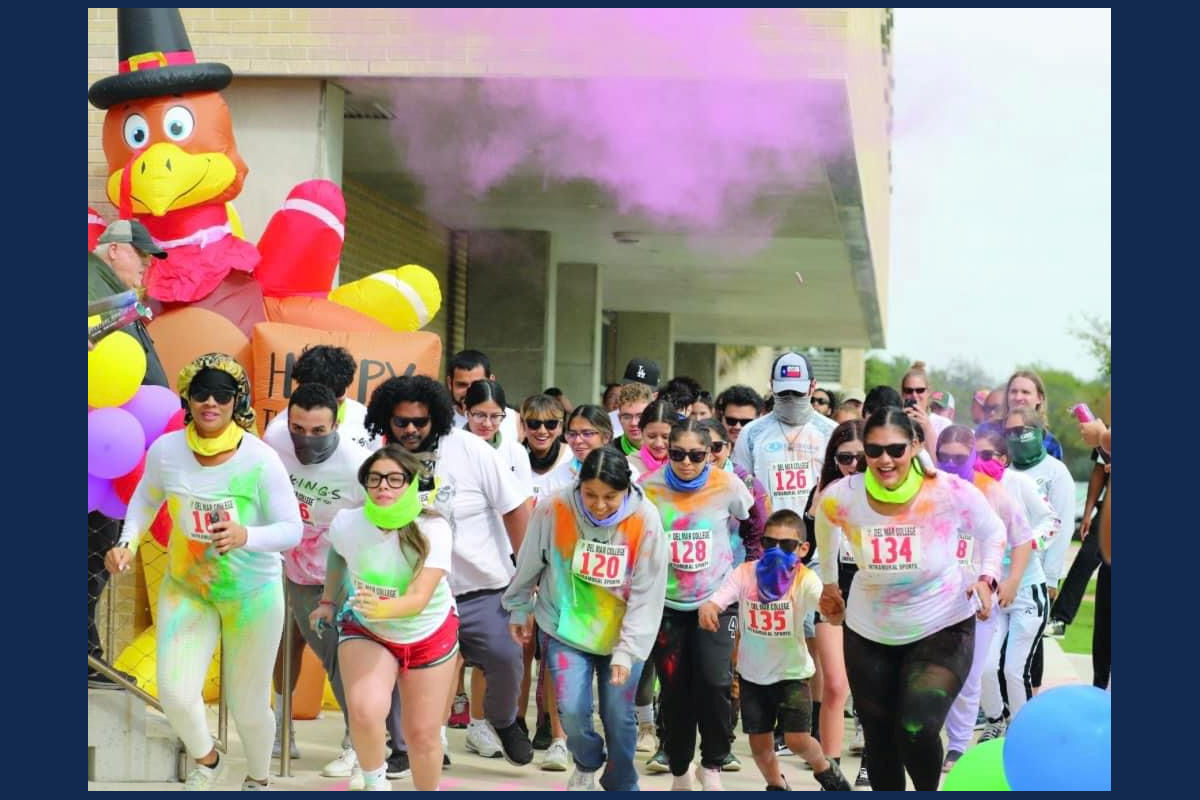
(693,670)
(1102,629)
(102,535)
(902,694)
(1074,587)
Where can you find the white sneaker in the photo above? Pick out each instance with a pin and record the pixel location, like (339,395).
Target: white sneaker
(580,780)
(557,759)
(647,741)
(681,783)
(710,779)
(276,747)
(254,786)
(342,766)
(381,786)
(357,782)
(202,778)
(483,740)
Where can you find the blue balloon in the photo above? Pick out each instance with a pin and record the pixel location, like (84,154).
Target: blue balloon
(1061,740)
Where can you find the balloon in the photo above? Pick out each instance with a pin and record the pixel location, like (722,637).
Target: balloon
(182,334)
(404,299)
(1061,740)
(125,484)
(981,769)
(96,488)
(160,529)
(176,422)
(153,406)
(96,226)
(115,370)
(110,505)
(115,442)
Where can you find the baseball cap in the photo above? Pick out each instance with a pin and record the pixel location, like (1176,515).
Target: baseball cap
(942,400)
(854,394)
(791,372)
(641,370)
(130,231)
(981,397)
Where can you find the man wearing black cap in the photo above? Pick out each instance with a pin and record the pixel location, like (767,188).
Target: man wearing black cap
(638,370)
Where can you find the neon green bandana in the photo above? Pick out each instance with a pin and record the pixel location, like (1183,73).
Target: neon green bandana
(901,494)
(629,447)
(341,415)
(398,514)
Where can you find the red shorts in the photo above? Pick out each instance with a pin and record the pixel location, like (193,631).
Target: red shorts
(428,652)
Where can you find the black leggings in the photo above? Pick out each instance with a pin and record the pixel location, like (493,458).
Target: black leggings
(693,670)
(902,694)
(1102,629)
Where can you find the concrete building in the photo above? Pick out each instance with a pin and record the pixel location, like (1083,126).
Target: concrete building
(558,277)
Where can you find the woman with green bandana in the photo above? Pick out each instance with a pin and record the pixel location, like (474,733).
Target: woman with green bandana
(910,617)
(232,512)
(398,625)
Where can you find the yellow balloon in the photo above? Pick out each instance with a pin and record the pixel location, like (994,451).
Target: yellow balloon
(404,299)
(115,370)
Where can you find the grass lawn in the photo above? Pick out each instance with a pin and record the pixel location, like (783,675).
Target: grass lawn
(1079,633)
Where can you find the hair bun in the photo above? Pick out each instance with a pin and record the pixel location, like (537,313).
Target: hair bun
(918,365)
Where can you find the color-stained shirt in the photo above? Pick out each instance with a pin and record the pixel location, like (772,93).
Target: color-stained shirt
(746,535)
(1054,482)
(1016,526)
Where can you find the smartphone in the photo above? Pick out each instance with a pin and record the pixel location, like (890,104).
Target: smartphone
(212,518)
(910,403)
(975,601)
(926,461)
(1082,412)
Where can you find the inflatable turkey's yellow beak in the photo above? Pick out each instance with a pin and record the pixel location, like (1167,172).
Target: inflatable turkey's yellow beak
(167,178)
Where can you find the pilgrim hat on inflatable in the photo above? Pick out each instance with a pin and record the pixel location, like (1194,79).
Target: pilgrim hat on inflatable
(156,59)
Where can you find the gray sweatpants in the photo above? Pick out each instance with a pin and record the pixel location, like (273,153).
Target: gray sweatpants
(303,600)
(484,641)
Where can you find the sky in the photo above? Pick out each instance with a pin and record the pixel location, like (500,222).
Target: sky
(1001,209)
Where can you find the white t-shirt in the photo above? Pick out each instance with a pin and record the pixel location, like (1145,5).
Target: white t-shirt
(322,490)
(1054,482)
(544,484)
(1043,522)
(508,426)
(939,423)
(375,560)
(482,490)
(352,427)
(565,474)
(614,417)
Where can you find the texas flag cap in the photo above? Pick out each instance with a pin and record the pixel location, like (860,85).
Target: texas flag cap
(791,372)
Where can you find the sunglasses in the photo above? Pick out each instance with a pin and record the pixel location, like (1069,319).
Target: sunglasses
(717,447)
(538,424)
(957,460)
(695,456)
(988,455)
(820,401)
(400,423)
(786,545)
(846,459)
(735,422)
(877,450)
(198,394)
(914,389)
(396,480)
(991,409)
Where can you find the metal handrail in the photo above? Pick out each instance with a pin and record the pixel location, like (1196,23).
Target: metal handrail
(117,678)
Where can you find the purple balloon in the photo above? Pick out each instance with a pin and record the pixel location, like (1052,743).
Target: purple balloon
(96,489)
(115,442)
(153,407)
(110,504)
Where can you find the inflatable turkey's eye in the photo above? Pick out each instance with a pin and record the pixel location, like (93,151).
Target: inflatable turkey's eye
(178,123)
(137,132)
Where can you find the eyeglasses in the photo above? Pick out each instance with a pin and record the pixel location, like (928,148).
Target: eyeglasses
(400,423)
(846,459)
(199,394)
(628,418)
(396,480)
(587,434)
(820,401)
(786,545)
(695,456)
(736,422)
(877,450)
(914,389)
(957,460)
(483,416)
(1018,431)
(717,447)
(538,424)
(988,455)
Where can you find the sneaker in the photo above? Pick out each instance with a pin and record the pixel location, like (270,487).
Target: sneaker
(293,748)
(859,743)
(832,779)
(381,786)
(342,766)
(580,780)
(657,764)
(482,739)
(731,764)
(992,730)
(356,778)
(980,720)
(1055,629)
(524,727)
(542,737)
(681,783)
(202,778)
(445,759)
(951,757)
(781,747)
(99,681)
(863,778)
(784,788)
(647,742)
(397,765)
(460,712)
(557,759)
(710,779)
(249,785)
(517,749)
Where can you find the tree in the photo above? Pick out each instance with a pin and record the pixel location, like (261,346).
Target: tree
(1096,334)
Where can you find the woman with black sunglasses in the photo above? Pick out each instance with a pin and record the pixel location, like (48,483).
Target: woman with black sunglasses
(542,420)
(910,619)
(823,402)
(696,503)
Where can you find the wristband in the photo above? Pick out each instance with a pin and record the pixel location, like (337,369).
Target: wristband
(324,602)
(990,581)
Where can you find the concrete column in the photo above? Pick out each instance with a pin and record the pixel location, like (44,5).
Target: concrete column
(697,360)
(645,335)
(854,369)
(508,302)
(577,332)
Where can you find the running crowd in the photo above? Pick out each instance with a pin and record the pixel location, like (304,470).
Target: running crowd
(669,559)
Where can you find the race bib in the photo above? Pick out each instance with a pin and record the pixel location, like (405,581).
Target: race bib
(600,564)
(306,507)
(964,549)
(205,514)
(383,592)
(789,479)
(892,548)
(691,551)
(773,620)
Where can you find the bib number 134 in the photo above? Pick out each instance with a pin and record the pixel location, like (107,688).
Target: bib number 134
(892,548)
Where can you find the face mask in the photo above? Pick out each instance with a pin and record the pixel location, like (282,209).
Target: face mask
(993,468)
(775,572)
(609,521)
(966,471)
(314,449)
(793,410)
(398,514)
(1026,449)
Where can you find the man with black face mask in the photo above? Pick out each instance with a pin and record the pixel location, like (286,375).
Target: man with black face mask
(323,467)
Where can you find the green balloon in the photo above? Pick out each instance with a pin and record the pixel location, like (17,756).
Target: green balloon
(981,769)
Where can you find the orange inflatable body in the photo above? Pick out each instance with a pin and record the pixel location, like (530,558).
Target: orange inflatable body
(185,333)
(319,313)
